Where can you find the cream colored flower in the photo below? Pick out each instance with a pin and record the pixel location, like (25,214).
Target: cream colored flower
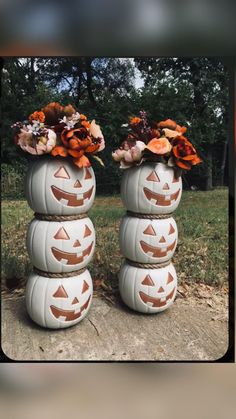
(96,132)
(170,133)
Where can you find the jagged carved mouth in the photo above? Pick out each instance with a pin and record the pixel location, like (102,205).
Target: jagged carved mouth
(71,199)
(156,302)
(162,200)
(71,258)
(156,252)
(69,315)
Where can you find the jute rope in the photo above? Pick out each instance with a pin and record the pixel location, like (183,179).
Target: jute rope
(148,216)
(148,265)
(47,217)
(58,275)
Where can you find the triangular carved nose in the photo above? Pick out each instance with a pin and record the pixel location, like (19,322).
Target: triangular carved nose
(161,289)
(76,243)
(75,301)
(77,184)
(162,240)
(165,187)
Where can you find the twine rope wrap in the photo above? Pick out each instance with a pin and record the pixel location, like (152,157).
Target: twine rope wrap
(148,216)
(60,274)
(148,265)
(59,218)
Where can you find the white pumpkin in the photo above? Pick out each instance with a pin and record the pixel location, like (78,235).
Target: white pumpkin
(60,246)
(57,186)
(58,302)
(147,290)
(151,189)
(148,241)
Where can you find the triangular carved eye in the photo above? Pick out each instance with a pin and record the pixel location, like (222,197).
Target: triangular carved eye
(87,231)
(62,173)
(148,281)
(85,287)
(170,278)
(60,293)
(149,231)
(61,234)
(87,174)
(172,230)
(153,177)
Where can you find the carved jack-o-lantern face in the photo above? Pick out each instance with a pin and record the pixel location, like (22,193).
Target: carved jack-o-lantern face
(58,302)
(165,197)
(148,290)
(151,188)
(148,241)
(77,198)
(163,294)
(76,308)
(59,187)
(61,246)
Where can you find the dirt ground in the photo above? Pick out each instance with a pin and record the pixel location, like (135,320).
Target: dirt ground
(194,328)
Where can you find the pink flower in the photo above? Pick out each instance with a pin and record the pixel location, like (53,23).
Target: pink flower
(42,144)
(118,155)
(130,154)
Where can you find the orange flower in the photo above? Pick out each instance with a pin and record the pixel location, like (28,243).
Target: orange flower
(135,120)
(53,112)
(181,129)
(83,117)
(159,146)
(168,123)
(59,151)
(76,143)
(85,124)
(184,154)
(155,133)
(69,110)
(37,116)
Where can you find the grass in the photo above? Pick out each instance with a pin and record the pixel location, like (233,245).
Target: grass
(201,254)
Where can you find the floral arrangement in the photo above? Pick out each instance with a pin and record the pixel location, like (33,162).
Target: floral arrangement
(155,141)
(60,131)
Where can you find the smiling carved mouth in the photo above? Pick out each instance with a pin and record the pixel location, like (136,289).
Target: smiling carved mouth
(156,302)
(71,258)
(69,314)
(157,252)
(73,200)
(162,200)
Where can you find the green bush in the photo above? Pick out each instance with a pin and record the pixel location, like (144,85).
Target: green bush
(12,180)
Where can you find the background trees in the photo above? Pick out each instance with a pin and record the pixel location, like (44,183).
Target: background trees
(194,91)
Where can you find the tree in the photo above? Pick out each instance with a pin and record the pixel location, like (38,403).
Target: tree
(102,88)
(205,80)
(22,92)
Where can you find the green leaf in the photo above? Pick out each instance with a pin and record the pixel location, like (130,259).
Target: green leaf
(99,160)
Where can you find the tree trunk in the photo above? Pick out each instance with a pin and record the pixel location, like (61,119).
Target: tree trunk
(208,181)
(223,163)
(89,80)
(32,86)
(1,69)
(80,76)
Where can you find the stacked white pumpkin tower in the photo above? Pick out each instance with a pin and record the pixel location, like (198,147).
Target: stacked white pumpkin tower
(148,237)
(60,242)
